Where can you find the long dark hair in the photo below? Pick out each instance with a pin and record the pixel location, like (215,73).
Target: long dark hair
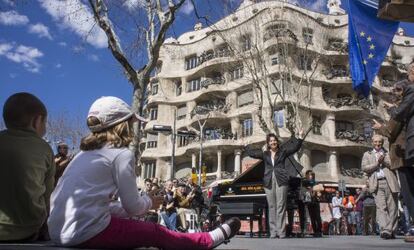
(268,136)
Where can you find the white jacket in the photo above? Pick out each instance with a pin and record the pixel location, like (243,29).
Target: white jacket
(80,204)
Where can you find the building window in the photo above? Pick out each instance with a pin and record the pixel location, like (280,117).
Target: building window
(153,113)
(178,88)
(342,126)
(277,30)
(307,34)
(149,169)
(154,88)
(182,141)
(152,140)
(316,125)
(368,132)
(181,112)
(246,42)
(245,98)
(191,62)
(275,60)
(247,126)
(279,118)
(223,50)
(194,85)
(236,73)
(305,62)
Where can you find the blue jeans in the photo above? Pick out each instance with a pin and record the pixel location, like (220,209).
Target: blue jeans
(170,220)
(358,218)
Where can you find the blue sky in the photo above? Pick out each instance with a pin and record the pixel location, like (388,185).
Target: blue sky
(44,52)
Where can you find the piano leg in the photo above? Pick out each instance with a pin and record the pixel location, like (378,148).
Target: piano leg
(251,226)
(260,224)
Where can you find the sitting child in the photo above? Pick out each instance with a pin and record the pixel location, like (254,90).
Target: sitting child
(27,170)
(80,205)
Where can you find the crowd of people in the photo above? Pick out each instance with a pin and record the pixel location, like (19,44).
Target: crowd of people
(181,199)
(90,200)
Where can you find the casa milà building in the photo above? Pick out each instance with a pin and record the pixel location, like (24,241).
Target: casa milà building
(201,78)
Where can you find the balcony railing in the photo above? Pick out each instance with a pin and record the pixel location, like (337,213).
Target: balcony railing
(219,80)
(332,73)
(387,83)
(349,101)
(210,106)
(354,136)
(339,46)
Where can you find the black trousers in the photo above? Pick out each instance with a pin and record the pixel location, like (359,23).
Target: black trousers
(302,218)
(406,175)
(315,216)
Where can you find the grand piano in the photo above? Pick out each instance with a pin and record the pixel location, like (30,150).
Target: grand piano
(245,198)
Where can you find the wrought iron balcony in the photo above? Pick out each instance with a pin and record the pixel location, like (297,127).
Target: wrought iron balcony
(212,81)
(337,45)
(349,101)
(210,106)
(353,135)
(335,72)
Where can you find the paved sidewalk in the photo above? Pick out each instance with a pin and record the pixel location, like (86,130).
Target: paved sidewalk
(246,243)
(327,242)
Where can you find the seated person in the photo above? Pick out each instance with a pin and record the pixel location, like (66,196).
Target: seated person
(27,170)
(168,211)
(62,159)
(183,201)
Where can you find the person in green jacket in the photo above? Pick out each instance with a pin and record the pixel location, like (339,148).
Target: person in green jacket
(26,170)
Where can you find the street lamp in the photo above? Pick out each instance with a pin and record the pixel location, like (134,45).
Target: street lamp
(174,133)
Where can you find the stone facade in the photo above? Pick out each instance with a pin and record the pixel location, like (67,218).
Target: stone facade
(198,72)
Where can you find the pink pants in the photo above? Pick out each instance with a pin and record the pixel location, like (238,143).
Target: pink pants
(125,233)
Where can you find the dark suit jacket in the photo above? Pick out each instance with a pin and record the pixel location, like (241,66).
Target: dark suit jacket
(282,172)
(404,113)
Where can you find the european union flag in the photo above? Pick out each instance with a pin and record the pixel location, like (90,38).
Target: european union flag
(369,39)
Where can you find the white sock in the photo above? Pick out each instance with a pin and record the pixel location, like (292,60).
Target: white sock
(217,234)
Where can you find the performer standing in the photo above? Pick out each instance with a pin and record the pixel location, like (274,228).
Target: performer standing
(276,177)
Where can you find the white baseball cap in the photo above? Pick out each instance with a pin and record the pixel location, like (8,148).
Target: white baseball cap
(110,110)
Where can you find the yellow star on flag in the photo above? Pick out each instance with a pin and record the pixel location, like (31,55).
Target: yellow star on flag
(362,33)
(370,55)
(369,39)
(372,46)
(365,62)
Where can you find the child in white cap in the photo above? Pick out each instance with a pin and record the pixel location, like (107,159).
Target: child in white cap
(81,213)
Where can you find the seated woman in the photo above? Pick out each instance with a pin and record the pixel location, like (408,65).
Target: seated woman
(80,205)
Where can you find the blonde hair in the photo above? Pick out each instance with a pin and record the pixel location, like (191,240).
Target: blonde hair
(118,136)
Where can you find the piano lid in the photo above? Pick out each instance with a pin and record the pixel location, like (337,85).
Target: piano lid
(253,174)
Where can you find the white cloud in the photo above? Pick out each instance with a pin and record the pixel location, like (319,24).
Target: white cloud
(134,4)
(12,75)
(76,17)
(13,18)
(58,66)
(63,44)
(24,55)
(40,30)
(78,49)
(187,8)
(93,57)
